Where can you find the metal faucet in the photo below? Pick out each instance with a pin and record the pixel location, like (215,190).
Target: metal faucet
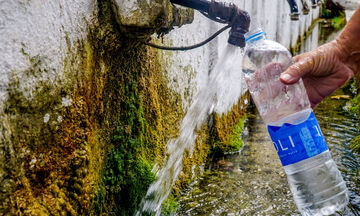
(230,14)
(294,10)
(223,13)
(306,8)
(314,3)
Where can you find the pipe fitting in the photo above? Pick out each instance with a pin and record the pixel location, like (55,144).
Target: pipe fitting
(240,26)
(294,14)
(237,18)
(314,3)
(306,8)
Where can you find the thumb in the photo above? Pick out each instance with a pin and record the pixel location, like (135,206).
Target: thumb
(297,70)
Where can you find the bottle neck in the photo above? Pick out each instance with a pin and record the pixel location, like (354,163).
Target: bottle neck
(255,36)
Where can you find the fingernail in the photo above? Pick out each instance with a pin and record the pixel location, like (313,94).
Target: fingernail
(286,77)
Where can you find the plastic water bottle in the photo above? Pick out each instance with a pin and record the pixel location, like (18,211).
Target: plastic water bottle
(314,179)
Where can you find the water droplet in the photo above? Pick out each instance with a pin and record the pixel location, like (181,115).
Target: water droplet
(66,101)
(46,117)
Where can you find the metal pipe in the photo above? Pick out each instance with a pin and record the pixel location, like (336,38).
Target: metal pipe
(224,13)
(294,10)
(231,14)
(314,3)
(200,5)
(204,6)
(306,8)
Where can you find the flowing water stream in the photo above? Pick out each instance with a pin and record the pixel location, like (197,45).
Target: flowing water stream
(210,98)
(253,182)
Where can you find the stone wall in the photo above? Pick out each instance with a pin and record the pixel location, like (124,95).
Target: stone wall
(86,109)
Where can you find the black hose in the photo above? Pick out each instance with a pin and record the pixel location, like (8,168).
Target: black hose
(200,5)
(184,48)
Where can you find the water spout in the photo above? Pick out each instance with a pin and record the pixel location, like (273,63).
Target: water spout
(294,10)
(314,3)
(306,8)
(223,13)
(212,97)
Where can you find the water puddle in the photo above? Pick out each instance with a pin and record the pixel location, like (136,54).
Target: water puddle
(253,182)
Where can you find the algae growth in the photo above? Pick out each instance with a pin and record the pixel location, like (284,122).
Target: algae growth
(84,143)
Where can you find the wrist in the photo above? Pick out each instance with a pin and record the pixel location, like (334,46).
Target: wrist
(348,43)
(349,53)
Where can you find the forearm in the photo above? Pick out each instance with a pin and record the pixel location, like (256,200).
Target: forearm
(349,42)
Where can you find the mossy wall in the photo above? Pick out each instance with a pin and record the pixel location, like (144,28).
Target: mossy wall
(84,143)
(228,128)
(355,108)
(81,137)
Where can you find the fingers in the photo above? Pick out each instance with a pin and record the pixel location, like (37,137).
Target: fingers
(303,64)
(298,57)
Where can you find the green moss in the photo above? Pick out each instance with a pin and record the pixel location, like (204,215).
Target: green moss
(191,163)
(354,104)
(55,144)
(232,142)
(170,206)
(330,10)
(127,175)
(295,50)
(144,115)
(235,139)
(325,13)
(98,158)
(227,130)
(338,22)
(126,180)
(334,13)
(355,144)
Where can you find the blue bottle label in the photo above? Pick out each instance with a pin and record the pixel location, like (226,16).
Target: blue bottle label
(295,143)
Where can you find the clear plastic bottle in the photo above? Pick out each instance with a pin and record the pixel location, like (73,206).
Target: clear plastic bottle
(315,181)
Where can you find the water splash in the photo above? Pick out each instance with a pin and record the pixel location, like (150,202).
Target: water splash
(225,86)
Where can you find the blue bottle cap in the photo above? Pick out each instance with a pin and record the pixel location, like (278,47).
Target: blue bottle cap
(254,35)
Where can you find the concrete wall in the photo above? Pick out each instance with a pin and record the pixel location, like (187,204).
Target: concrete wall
(35,37)
(191,68)
(58,100)
(349,5)
(35,28)
(38,29)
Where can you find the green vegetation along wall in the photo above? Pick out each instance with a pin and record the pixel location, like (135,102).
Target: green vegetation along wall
(85,143)
(355,108)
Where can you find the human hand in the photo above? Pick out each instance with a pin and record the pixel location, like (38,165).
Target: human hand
(322,70)
(329,66)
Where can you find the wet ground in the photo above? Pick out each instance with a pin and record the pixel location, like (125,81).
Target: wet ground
(340,128)
(252,182)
